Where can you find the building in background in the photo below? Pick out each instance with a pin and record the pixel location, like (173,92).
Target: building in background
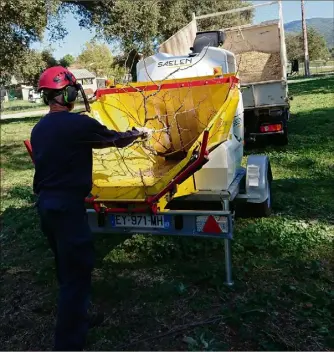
(101,82)
(86,78)
(17,90)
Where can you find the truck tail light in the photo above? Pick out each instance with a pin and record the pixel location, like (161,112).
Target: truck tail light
(271,128)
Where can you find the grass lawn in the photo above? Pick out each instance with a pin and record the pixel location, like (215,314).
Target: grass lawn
(14,106)
(161,293)
(313,77)
(316,67)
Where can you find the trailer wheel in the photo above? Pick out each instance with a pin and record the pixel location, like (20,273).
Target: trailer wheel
(262,210)
(256,210)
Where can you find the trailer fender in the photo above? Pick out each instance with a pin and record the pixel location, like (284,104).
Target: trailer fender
(258,178)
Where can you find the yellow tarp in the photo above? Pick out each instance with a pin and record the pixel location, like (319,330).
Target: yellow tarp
(179,116)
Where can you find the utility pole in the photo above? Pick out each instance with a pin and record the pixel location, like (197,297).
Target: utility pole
(306,56)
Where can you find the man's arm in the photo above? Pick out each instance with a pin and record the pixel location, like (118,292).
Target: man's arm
(99,136)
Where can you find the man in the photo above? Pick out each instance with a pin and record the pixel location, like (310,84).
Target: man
(62,145)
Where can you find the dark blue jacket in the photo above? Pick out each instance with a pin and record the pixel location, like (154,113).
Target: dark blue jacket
(62,144)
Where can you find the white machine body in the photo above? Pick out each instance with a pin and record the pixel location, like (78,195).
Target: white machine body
(162,66)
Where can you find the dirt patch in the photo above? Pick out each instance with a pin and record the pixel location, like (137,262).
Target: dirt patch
(255,66)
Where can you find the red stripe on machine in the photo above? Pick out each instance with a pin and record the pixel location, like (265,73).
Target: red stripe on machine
(232,80)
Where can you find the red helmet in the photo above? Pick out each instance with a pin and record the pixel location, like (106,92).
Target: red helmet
(56,77)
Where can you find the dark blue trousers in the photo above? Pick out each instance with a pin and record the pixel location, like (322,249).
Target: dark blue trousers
(64,223)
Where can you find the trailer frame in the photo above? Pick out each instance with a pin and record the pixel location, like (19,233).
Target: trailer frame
(189,220)
(252,185)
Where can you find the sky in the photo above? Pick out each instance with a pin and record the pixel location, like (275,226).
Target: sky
(74,42)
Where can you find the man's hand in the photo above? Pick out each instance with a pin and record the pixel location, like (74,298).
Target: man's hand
(146,132)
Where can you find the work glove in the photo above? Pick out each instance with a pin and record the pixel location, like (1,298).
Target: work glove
(146,133)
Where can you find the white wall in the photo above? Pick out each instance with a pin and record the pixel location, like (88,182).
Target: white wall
(92,86)
(6,98)
(25,92)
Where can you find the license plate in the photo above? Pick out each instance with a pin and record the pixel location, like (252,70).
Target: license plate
(142,221)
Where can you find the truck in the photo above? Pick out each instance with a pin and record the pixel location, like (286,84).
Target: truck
(260,52)
(34,96)
(190,179)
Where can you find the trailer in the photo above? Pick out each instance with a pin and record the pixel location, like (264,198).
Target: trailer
(189,180)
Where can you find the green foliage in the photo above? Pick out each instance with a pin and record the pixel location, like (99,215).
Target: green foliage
(22,23)
(32,64)
(316,46)
(48,59)
(324,26)
(31,67)
(177,13)
(67,60)
(97,58)
(142,27)
(293,47)
(122,21)
(136,26)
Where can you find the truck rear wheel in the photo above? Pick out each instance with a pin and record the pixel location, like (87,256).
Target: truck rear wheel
(281,139)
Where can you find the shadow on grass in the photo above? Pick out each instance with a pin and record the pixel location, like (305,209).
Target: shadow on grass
(32,119)
(309,131)
(15,157)
(305,199)
(317,86)
(323,75)
(18,108)
(149,285)
(314,122)
(272,268)
(21,193)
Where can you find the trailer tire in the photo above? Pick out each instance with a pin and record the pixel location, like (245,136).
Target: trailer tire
(262,210)
(256,210)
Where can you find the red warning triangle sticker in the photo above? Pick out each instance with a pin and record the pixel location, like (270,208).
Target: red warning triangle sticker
(211,226)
